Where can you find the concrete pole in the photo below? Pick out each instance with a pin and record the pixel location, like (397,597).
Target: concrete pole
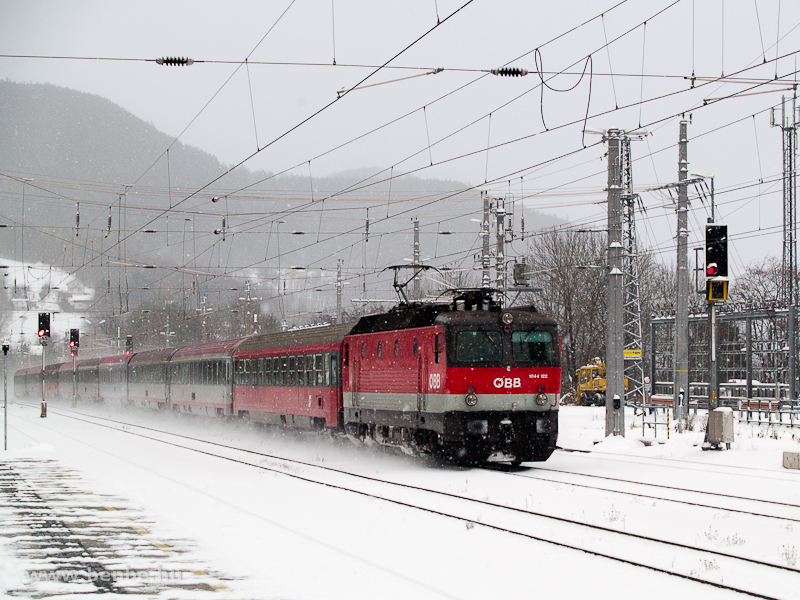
(615,343)
(416,259)
(339,291)
(487,207)
(792,353)
(713,370)
(681,373)
(248,318)
(5,397)
(501,253)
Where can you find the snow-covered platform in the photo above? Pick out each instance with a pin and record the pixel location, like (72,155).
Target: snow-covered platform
(59,538)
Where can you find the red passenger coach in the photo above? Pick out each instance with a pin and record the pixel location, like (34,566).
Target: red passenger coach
(200,378)
(291,378)
(113,376)
(148,383)
(88,379)
(28,382)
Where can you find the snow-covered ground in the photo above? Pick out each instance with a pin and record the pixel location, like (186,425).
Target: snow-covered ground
(251,526)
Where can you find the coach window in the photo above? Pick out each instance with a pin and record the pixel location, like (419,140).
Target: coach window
(292,370)
(396,348)
(379,349)
(301,371)
(318,375)
(311,378)
(326,369)
(253,372)
(336,370)
(267,371)
(284,370)
(346,356)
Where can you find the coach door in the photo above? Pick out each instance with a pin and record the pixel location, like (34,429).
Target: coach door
(356,371)
(422,376)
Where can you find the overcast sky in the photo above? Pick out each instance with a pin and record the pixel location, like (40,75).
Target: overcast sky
(527,131)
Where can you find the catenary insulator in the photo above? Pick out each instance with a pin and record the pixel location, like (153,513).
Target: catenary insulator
(509,72)
(175,61)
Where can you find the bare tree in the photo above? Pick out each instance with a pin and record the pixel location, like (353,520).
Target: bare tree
(569,267)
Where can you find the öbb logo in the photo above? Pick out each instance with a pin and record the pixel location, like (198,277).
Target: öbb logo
(507,382)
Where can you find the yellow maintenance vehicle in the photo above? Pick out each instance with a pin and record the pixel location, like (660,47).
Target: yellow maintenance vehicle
(591,381)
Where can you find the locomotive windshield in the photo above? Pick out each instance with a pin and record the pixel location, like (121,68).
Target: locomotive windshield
(481,347)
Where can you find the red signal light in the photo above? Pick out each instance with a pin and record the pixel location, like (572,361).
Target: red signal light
(712,270)
(41,333)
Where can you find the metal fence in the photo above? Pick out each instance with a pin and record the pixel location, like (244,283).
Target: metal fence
(756,362)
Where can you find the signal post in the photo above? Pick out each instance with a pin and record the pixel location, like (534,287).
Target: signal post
(74,344)
(44,336)
(716,292)
(6,347)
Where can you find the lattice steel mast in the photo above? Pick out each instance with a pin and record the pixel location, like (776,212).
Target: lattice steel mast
(789,264)
(632,307)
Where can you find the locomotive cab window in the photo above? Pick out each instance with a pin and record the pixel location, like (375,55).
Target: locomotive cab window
(478,346)
(532,347)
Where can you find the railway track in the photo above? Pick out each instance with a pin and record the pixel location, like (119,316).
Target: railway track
(696,562)
(732,503)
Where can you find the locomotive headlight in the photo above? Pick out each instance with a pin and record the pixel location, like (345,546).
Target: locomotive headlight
(541,399)
(471,399)
(507,318)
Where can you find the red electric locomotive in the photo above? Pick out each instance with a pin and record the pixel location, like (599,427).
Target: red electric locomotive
(465,379)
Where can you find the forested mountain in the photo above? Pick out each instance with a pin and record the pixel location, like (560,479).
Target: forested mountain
(61,148)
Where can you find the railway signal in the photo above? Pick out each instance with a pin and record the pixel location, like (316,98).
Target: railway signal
(716,250)
(129,345)
(74,341)
(44,325)
(716,262)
